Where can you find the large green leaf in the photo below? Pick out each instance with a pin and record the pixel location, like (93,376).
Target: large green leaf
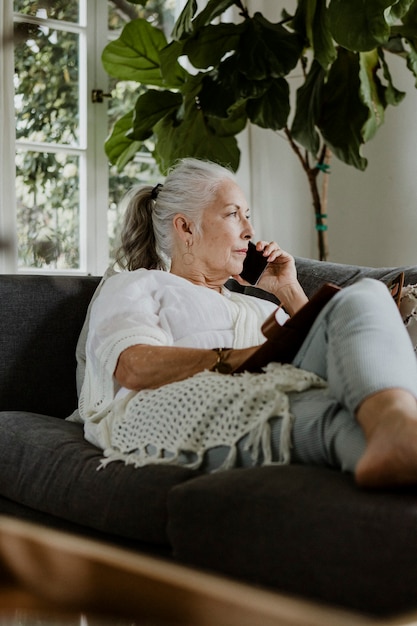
(409,31)
(268,50)
(193,137)
(183,25)
(135,54)
(209,44)
(311,22)
(302,22)
(398,10)
(343,112)
(272,109)
(359,25)
(230,77)
(411,16)
(173,73)
(119,148)
(392,95)
(150,108)
(231,126)
(371,93)
(412,60)
(213,9)
(225,89)
(216,98)
(408,26)
(324,48)
(308,107)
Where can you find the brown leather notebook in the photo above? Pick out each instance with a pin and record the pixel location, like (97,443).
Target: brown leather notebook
(284,341)
(395,287)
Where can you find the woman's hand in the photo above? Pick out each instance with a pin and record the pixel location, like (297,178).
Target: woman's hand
(280,277)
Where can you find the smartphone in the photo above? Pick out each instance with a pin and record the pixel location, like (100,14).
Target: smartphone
(253,265)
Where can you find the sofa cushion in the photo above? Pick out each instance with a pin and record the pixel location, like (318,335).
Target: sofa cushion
(41,318)
(46,464)
(303,530)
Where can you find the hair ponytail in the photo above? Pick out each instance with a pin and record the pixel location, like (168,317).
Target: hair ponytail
(138,245)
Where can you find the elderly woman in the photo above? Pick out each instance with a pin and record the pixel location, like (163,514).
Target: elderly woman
(162,334)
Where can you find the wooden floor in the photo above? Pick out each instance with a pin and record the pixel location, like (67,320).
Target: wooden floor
(55,573)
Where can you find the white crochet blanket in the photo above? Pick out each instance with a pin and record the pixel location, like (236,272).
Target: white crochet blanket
(408,310)
(204,411)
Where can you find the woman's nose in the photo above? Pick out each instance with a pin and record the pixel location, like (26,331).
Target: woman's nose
(249,232)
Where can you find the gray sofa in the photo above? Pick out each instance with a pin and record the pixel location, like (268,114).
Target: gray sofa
(307,531)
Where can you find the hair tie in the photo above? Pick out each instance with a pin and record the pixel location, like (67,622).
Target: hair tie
(155,191)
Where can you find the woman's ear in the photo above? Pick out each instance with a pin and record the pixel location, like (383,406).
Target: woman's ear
(182,226)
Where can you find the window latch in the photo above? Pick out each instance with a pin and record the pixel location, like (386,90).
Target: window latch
(98,95)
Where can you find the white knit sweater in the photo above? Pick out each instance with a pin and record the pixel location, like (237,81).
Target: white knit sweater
(156,426)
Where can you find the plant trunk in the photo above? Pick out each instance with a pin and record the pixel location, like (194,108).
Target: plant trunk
(320,202)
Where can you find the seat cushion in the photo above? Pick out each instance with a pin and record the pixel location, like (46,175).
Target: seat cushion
(46,464)
(303,530)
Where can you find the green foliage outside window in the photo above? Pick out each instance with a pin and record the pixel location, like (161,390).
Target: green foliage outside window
(46,103)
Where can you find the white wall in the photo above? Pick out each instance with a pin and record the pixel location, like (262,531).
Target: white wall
(372,214)
(280,200)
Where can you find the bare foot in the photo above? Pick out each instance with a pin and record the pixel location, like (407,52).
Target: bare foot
(389,421)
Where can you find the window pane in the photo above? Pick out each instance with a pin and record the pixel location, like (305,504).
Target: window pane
(46,85)
(67,10)
(47,190)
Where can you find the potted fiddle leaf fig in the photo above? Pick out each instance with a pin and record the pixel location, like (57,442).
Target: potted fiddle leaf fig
(214,76)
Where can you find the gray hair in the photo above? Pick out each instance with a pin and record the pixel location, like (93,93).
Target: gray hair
(147,231)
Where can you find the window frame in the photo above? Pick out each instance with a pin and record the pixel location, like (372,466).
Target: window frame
(8,249)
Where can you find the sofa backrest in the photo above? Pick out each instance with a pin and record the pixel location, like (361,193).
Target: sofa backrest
(41,318)
(313,274)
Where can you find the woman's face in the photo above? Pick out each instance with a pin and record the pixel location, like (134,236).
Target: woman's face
(225,232)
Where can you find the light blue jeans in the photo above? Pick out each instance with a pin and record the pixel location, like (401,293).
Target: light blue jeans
(359,344)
